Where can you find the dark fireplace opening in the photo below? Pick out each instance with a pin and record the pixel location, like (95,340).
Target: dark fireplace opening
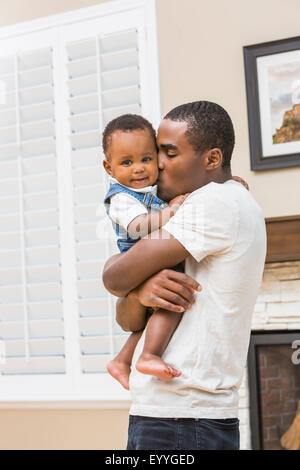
(274,386)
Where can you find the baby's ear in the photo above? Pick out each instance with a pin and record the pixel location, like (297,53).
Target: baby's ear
(107,166)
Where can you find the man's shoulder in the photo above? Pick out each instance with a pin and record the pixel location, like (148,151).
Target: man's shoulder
(230,194)
(214,195)
(214,190)
(229,203)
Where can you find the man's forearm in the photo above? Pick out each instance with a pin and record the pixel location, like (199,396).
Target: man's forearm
(131,314)
(147,257)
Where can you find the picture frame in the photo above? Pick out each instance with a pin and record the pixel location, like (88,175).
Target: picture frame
(272,75)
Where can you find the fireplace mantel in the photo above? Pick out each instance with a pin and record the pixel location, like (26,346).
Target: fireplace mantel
(283,235)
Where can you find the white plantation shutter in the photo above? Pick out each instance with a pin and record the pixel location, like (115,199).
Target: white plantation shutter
(64,81)
(103,83)
(31,322)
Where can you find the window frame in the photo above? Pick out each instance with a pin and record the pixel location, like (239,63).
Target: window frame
(72,390)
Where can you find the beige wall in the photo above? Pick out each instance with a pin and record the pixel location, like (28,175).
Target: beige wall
(63,429)
(201,57)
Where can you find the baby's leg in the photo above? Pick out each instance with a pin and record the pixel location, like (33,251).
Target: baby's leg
(120,366)
(159,331)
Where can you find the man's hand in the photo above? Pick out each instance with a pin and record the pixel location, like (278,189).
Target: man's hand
(169,290)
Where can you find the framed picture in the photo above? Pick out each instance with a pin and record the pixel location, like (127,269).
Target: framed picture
(273,98)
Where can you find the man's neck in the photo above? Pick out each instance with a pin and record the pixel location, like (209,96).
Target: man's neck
(220,176)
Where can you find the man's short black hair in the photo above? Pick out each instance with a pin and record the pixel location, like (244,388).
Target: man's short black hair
(125,123)
(209,126)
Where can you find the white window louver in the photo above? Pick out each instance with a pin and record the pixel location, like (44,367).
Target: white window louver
(31,321)
(103,83)
(63,78)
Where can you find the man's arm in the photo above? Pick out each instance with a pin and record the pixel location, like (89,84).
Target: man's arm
(148,256)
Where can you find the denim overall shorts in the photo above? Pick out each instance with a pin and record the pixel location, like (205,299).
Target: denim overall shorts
(149,200)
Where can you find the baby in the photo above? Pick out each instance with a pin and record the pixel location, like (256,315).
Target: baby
(129,145)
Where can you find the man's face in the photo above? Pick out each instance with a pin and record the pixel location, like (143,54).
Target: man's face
(181,170)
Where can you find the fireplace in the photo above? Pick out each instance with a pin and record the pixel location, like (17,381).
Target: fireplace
(274,387)
(269,393)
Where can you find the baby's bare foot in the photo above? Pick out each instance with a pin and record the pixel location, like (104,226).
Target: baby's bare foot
(120,371)
(154,365)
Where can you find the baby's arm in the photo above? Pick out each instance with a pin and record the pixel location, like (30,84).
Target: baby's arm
(147,223)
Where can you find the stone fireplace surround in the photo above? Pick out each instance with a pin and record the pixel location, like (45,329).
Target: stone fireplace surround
(278,309)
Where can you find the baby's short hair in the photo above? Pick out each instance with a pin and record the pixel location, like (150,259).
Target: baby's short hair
(125,123)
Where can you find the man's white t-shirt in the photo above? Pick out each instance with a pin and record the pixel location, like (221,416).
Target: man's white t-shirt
(223,229)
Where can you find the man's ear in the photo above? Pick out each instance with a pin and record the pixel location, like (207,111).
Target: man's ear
(107,166)
(214,159)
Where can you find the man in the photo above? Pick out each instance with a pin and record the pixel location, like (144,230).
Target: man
(220,233)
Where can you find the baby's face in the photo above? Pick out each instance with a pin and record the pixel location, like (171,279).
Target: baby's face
(132,158)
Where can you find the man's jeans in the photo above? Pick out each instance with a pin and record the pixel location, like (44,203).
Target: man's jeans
(182,434)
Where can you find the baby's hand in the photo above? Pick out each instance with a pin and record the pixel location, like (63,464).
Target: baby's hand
(178,200)
(240,180)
